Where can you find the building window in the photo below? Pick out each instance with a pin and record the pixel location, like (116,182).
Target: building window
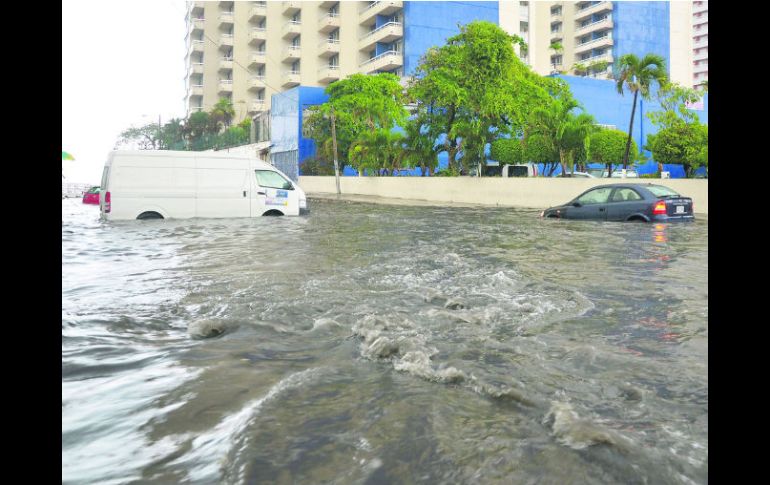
(556,60)
(556,10)
(523,26)
(334,61)
(556,27)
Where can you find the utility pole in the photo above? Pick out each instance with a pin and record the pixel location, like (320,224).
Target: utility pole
(334,145)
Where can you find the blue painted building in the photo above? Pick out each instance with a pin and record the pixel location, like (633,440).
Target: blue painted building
(637,28)
(430,24)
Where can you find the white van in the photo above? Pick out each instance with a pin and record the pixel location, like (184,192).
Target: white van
(519,170)
(164,184)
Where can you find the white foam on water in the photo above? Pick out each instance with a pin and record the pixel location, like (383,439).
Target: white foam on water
(571,430)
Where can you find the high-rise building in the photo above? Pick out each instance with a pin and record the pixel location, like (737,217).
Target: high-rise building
(700,31)
(248,51)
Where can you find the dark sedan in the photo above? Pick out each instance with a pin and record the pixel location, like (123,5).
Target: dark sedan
(626,202)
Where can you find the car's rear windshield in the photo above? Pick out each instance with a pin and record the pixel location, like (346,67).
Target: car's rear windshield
(661,191)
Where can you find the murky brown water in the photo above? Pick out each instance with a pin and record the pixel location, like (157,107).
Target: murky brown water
(383,344)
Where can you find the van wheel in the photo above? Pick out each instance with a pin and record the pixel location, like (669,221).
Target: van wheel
(273,212)
(149,215)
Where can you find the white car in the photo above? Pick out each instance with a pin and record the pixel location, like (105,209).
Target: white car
(630,174)
(583,175)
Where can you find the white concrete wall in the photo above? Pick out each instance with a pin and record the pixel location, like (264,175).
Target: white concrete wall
(508,192)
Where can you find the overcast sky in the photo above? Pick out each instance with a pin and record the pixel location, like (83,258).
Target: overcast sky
(122,65)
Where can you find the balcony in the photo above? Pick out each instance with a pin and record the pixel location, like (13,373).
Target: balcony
(226,64)
(257,58)
(225,86)
(257,35)
(704,67)
(384,34)
(607,56)
(700,43)
(290,8)
(291,29)
(257,82)
(256,106)
(257,13)
(703,7)
(197,45)
(197,24)
(701,56)
(327,5)
(328,74)
(370,12)
(328,47)
(196,90)
(605,23)
(195,68)
(226,41)
(291,78)
(704,30)
(384,62)
(605,41)
(703,19)
(196,8)
(226,18)
(291,53)
(587,11)
(329,22)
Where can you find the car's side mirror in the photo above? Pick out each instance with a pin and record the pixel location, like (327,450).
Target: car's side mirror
(577,204)
(288,186)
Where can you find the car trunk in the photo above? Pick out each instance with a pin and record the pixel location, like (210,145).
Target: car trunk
(679,206)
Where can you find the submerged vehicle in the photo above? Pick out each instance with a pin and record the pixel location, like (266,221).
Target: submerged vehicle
(163,184)
(626,202)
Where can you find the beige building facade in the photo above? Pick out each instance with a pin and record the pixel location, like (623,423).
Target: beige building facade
(247,51)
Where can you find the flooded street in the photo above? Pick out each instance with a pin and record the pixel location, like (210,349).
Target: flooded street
(383,344)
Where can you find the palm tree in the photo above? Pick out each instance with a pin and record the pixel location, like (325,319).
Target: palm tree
(223,112)
(418,148)
(638,75)
(560,131)
(556,47)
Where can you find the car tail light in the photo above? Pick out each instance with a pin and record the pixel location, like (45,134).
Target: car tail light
(107,204)
(660,208)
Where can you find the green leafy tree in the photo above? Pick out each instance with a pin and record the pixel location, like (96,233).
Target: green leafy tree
(580,69)
(507,151)
(317,166)
(674,100)
(538,150)
(639,75)
(145,137)
(681,143)
(222,114)
(563,132)
(418,147)
(608,147)
(475,89)
(362,104)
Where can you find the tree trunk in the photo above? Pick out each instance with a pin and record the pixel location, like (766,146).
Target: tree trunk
(630,129)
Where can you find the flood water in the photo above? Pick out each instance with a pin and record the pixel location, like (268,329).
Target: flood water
(383,344)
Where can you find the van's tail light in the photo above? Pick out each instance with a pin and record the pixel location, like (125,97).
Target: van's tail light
(660,208)
(107,204)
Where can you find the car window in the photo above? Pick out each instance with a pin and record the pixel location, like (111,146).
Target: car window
(270,179)
(595,196)
(661,191)
(624,194)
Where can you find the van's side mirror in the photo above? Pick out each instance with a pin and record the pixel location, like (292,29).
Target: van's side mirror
(577,204)
(288,186)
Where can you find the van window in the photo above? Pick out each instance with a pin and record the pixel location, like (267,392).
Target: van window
(270,179)
(516,171)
